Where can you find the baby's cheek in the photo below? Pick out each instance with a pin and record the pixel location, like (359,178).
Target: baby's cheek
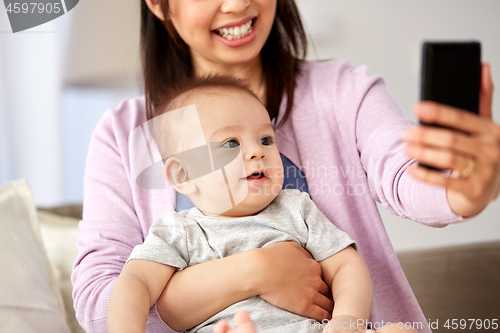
(236,175)
(235,169)
(214,193)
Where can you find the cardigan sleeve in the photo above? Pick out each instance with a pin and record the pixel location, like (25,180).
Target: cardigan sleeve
(109,230)
(380,123)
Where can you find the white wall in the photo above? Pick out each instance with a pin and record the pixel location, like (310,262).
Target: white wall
(83,107)
(29,108)
(45,128)
(387,35)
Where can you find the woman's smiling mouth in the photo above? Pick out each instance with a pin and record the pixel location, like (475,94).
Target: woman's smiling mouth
(236,32)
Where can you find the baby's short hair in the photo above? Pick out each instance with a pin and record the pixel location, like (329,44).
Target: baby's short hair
(167,134)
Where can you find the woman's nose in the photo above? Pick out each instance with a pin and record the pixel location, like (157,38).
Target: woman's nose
(234,6)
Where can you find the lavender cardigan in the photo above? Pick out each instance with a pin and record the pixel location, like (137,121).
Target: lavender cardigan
(344,133)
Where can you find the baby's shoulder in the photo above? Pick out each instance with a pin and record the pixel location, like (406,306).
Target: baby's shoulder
(290,194)
(173,219)
(290,200)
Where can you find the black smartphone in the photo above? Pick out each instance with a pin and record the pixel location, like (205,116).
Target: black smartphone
(451,75)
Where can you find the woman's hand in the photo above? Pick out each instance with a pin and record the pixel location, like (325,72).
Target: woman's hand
(476,152)
(284,274)
(292,280)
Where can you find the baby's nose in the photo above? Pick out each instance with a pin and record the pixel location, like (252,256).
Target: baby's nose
(255,152)
(258,156)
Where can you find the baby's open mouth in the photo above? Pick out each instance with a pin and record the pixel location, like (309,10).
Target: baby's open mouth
(236,32)
(256,175)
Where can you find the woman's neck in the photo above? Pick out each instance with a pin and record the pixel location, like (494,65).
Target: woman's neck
(252,72)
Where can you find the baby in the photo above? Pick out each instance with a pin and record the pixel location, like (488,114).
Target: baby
(220,151)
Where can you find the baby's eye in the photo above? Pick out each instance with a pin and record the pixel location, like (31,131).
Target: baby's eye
(231,143)
(267,141)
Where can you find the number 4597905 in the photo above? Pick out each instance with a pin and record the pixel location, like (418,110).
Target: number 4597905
(35,8)
(471,323)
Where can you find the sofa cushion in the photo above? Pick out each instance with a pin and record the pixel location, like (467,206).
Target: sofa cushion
(458,282)
(30,300)
(59,236)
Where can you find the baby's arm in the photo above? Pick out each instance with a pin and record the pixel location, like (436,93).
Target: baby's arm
(137,289)
(347,275)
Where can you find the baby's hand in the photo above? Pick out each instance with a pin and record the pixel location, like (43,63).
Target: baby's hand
(346,324)
(243,321)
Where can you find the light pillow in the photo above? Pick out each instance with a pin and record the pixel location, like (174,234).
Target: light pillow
(30,300)
(59,237)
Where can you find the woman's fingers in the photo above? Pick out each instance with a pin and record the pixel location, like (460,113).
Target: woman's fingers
(435,113)
(316,312)
(291,280)
(440,138)
(304,251)
(471,187)
(447,149)
(442,159)
(325,303)
(486,93)
(325,290)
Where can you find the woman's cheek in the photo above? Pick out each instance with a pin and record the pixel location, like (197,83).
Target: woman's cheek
(267,9)
(192,19)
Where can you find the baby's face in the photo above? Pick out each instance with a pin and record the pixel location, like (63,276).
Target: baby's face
(238,125)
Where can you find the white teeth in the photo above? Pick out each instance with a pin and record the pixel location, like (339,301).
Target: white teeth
(236,32)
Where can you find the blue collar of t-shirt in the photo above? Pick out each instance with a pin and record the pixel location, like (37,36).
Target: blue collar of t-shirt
(294,178)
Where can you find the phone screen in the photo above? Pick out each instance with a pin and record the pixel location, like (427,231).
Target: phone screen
(451,74)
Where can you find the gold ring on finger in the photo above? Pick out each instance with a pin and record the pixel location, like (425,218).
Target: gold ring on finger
(471,165)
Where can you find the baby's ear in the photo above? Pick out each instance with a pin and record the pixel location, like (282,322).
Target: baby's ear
(176,174)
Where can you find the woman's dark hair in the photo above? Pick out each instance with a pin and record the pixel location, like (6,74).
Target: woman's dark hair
(166,58)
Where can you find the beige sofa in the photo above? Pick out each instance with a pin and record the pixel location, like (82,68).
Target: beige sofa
(461,283)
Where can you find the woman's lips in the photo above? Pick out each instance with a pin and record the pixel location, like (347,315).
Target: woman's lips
(237,24)
(240,41)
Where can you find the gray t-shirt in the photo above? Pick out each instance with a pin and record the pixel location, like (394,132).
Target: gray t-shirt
(188,238)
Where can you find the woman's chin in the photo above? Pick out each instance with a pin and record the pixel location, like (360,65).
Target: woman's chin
(240,58)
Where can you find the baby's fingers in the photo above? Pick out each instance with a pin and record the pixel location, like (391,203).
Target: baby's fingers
(221,327)
(244,323)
